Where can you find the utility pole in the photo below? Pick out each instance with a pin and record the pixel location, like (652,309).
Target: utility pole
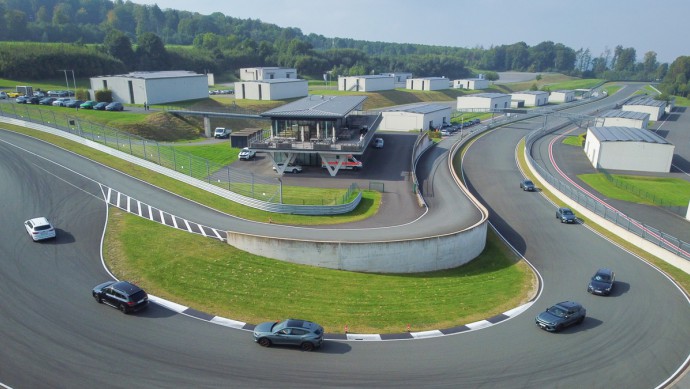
(67,80)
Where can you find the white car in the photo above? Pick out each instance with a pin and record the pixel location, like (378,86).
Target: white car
(61,101)
(39,228)
(291,168)
(246,154)
(378,143)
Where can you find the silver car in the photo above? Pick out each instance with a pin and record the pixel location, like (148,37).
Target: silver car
(295,332)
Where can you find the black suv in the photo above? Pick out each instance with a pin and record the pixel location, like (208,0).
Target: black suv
(527,185)
(561,315)
(122,295)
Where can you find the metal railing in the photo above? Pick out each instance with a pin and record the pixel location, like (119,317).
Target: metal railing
(257,191)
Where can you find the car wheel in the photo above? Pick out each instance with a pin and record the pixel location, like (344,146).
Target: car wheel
(558,328)
(123,308)
(580,320)
(264,342)
(98,298)
(294,171)
(306,346)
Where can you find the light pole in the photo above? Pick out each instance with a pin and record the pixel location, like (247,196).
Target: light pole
(67,80)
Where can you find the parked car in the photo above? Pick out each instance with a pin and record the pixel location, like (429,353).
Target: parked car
(32,99)
(246,154)
(100,106)
(57,93)
(222,133)
(560,316)
(60,101)
(114,106)
(305,334)
(291,168)
(378,143)
(39,228)
(527,185)
(566,215)
(13,95)
(20,100)
(602,282)
(122,295)
(88,104)
(73,103)
(3,95)
(47,101)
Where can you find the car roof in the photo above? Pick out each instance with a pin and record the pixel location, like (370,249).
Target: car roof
(39,221)
(604,271)
(298,323)
(126,287)
(569,304)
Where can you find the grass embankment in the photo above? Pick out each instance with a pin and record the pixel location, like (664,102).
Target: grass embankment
(640,189)
(216,278)
(367,207)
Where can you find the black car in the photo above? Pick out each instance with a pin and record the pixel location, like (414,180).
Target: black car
(47,101)
(561,315)
(122,295)
(566,215)
(114,106)
(33,100)
(602,282)
(100,106)
(74,103)
(527,185)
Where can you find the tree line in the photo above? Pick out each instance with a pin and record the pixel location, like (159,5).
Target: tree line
(105,37)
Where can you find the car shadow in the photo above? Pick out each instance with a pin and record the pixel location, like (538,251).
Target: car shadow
(61,237)
(619,288)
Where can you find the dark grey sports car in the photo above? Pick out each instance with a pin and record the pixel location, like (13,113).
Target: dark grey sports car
(302,333)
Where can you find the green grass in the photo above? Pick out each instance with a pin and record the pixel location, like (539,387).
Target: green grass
(610,89)
(216,278)
(574,140)
(682,101)
(368,206)
(641,189)
(220,153)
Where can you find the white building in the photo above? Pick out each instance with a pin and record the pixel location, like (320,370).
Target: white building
(646,104)
(399,78)
(153,87)
(366,83)
(471,83)
(484,102)
(618,118)
(421,116)
(427,83)
(561,96)
(532,98)
(273,89)
(627,148)
(266,73)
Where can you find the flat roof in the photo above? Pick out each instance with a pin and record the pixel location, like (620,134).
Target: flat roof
(563,91)
(616,113)
(318,106)
(626,134)
(488,95)
(429,78)
(646,101)
(420,108)
(530,92)
(472,79)
(158,74)
(274,80)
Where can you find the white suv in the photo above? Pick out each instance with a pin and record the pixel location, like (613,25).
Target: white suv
(246,154)
(222,133)
(39,228)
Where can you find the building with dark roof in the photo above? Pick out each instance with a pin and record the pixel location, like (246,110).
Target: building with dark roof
(628,148)
(619,118)
(645,104)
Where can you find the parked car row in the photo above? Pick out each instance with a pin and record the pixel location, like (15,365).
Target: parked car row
(221,92)
(450,129)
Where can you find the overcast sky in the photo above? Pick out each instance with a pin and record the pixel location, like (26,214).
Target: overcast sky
(659,26)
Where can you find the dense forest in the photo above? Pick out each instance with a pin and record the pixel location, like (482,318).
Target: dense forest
(105,37)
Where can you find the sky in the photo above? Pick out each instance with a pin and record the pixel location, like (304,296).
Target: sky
(588,24)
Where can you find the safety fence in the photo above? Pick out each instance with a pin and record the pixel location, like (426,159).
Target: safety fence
(653,198)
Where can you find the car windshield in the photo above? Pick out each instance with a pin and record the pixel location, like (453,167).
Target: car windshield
(602,277)
(557,311)
(42,227)
(567,212)
(528,182)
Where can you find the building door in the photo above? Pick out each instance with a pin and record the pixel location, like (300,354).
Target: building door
(131,92)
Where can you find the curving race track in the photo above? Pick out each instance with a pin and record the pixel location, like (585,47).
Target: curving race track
(55,335)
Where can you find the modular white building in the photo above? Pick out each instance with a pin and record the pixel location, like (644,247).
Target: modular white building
(628,148)
(415,117)
(427,83)
(399,78)
(532,98)
(618,118)
(646,104)
(471,83)
(561,96)
(484,102)
(266,73)
(153,87)
(366,83)
(275,89)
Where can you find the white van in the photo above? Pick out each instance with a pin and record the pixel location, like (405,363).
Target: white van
(222,133)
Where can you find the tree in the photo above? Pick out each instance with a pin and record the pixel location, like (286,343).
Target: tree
(151,53)
(649,64)
(119,46)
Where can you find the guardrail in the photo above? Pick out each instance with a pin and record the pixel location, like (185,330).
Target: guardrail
(256,191)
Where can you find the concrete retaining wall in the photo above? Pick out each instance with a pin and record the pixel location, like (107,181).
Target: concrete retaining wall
(407,256)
